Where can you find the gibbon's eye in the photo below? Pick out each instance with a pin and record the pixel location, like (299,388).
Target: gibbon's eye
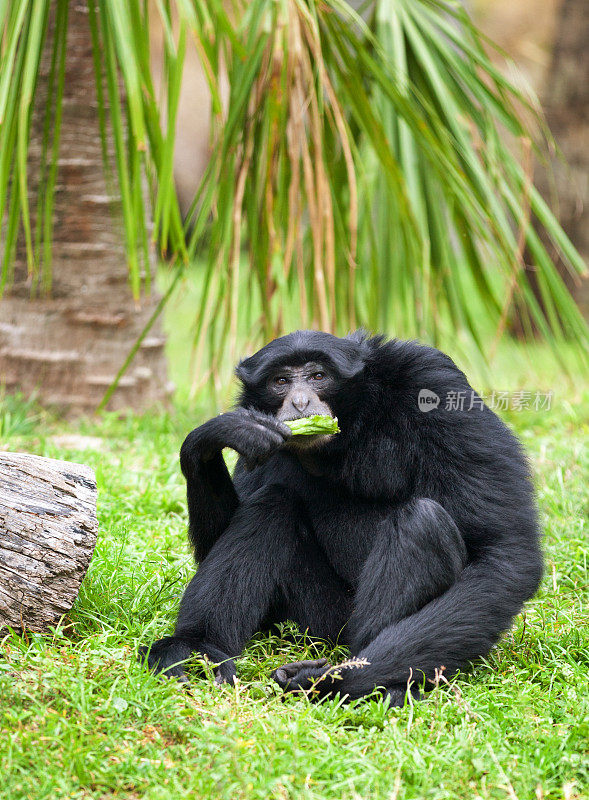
(280,381)
(318,376)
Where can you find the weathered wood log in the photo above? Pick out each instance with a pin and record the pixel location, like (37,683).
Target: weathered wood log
(47,536)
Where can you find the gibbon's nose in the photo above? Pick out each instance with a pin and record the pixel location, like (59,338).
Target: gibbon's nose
(300,401)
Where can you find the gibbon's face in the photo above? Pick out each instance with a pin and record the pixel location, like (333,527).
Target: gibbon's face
(300,390)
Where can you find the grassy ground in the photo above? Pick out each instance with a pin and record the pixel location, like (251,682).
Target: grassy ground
(80,718)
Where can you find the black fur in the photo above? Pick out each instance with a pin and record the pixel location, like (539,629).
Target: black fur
(411,537)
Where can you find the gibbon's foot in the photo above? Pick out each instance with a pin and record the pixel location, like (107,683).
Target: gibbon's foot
(302,676)
(167,657)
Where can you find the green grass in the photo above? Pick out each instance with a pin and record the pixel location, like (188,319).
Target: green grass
(80,718)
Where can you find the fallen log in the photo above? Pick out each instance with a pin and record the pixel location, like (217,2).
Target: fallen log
(48,532)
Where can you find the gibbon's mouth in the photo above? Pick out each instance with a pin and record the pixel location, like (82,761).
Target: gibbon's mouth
(308,442)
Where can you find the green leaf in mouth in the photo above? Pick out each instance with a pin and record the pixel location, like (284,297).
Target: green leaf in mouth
(317,424)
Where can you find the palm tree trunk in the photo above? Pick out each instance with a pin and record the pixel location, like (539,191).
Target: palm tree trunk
(69,345)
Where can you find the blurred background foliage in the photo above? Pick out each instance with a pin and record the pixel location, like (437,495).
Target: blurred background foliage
(363,164)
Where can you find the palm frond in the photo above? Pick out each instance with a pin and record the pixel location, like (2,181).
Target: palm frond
(371,172)
(422,149)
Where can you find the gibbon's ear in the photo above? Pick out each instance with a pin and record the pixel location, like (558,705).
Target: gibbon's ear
(245,370)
